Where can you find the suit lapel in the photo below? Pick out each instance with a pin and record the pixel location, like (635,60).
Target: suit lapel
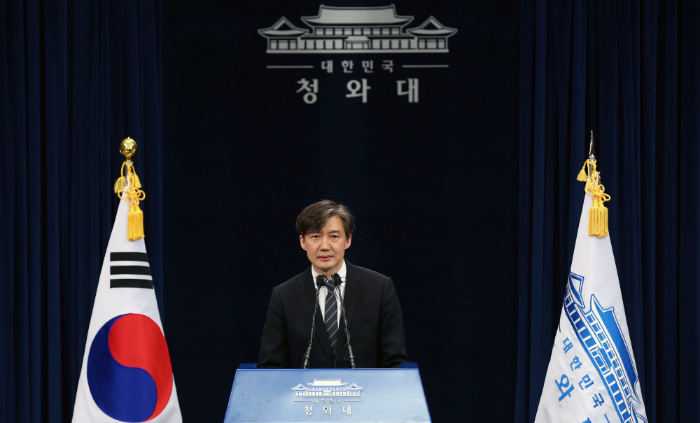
(353,291)
(307,298)
(307,293)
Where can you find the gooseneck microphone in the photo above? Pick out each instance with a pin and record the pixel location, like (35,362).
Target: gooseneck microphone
(307,355)
(351,357)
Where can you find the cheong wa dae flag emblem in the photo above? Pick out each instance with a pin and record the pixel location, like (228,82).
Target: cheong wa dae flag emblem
(592,376)
(126,374)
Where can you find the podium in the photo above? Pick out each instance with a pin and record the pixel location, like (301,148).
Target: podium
(327,395)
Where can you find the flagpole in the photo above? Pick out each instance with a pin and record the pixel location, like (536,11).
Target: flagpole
(591,156)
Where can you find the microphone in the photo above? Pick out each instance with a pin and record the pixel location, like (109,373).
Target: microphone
(307,355)
(337,281)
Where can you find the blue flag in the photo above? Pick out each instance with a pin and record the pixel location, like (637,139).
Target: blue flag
(592,376)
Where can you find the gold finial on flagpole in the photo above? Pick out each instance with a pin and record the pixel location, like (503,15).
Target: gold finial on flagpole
(591,149)
(128,188)
(128,148)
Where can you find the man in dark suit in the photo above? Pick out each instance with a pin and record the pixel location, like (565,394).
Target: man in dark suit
(371,306)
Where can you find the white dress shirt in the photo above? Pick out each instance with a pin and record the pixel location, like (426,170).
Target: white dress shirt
(323,291)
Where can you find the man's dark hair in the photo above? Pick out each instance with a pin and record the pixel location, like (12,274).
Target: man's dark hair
(315,216)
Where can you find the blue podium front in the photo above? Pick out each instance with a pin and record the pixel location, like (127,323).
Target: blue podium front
(311,395)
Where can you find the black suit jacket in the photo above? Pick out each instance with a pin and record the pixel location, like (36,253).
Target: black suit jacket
(373,314)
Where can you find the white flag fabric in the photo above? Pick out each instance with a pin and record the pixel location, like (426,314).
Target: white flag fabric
(592,376)
(126,375)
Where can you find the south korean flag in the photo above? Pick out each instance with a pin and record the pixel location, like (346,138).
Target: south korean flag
(592,376)
(126,375)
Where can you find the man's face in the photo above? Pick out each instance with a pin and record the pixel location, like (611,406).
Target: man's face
(326,248)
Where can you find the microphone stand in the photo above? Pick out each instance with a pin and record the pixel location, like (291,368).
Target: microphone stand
(337,281)
(307,355)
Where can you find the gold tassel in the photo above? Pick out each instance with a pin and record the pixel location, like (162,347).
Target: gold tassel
(582,174)
(598,213)
(133,196)
(135,227)
(598,219)
(139,223)
(121,181)
(119,185)
(130,225)
(137,182)
(603,221)
(593,218)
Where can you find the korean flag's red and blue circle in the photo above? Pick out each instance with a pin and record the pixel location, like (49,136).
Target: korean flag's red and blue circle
(128,369)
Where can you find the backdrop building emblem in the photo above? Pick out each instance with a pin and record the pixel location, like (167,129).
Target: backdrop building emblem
(327,388)
(357,30)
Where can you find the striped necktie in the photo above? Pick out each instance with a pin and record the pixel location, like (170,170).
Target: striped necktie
(331,315)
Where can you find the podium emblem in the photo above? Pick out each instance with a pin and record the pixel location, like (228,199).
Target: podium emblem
(327,388)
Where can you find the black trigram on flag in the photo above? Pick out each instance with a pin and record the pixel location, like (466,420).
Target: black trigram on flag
(130,270)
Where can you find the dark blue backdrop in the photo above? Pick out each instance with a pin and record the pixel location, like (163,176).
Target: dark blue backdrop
(471,214)
(433,185)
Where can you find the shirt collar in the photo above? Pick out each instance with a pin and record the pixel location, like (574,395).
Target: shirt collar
(341,272)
